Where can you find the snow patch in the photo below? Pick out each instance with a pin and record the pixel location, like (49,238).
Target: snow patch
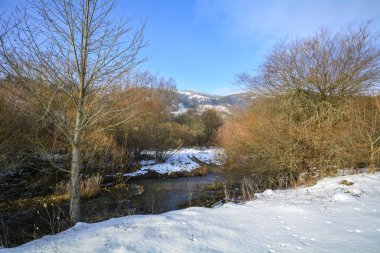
(182,160)
(344,197)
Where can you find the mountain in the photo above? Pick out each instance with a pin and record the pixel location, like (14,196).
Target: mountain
(188,99)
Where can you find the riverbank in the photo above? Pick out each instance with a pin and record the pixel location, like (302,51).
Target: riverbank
(185,162)
(28,219)
(332,216)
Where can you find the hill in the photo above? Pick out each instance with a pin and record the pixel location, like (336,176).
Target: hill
(188,99)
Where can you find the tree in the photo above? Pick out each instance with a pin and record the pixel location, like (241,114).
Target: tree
(211,121)
(301,123)
(325,66)
(69,56)
(365,138)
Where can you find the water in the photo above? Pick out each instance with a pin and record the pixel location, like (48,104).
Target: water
(160,195)
(163,195)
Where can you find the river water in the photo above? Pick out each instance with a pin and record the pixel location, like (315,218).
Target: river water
(163,195)
(160,195)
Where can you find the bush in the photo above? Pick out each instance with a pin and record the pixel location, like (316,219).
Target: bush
(89,187)
(311,116)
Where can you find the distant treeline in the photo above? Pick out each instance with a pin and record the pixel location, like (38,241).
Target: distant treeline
(145,124)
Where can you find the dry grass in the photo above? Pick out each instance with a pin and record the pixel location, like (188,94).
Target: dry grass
(89,187)
(247,187)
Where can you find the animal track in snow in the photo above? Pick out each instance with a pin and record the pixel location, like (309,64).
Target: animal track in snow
(358,231)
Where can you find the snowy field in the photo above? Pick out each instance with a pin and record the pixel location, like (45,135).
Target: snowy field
(327,217)
(181,160)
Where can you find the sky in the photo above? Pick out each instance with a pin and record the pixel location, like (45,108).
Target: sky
(204,44)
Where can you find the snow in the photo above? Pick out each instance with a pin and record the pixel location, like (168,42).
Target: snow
(309,219)
(219,108)
(181,110)
(344,197)
(200,109)
(180,160)
(194,96)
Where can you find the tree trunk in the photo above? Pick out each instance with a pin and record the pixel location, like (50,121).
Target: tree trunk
(75,171)
(371,167)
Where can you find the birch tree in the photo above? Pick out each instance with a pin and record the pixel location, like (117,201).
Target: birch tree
(69,56)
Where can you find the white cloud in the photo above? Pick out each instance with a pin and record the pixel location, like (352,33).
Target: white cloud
(263,20)
(223,91)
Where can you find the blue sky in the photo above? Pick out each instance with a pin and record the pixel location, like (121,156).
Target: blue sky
(203,44)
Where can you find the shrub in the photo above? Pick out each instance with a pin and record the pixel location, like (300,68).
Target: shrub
(89,187)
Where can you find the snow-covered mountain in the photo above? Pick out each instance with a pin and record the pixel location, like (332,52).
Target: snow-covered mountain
(201,101)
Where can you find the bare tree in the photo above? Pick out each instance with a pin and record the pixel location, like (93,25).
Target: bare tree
(69,56)
(301,126)
(366,136)
(323,66)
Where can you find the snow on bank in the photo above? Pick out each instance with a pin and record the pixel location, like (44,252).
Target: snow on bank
(327,217)
(181,160)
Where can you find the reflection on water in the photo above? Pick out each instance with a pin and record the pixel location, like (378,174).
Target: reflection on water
(170,194)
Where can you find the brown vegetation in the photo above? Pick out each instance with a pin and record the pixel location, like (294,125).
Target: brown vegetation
(89,187)
(313,113)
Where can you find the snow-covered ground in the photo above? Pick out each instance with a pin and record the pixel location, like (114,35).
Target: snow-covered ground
(327,217)
(181,160)
(201,108)
(218,108)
